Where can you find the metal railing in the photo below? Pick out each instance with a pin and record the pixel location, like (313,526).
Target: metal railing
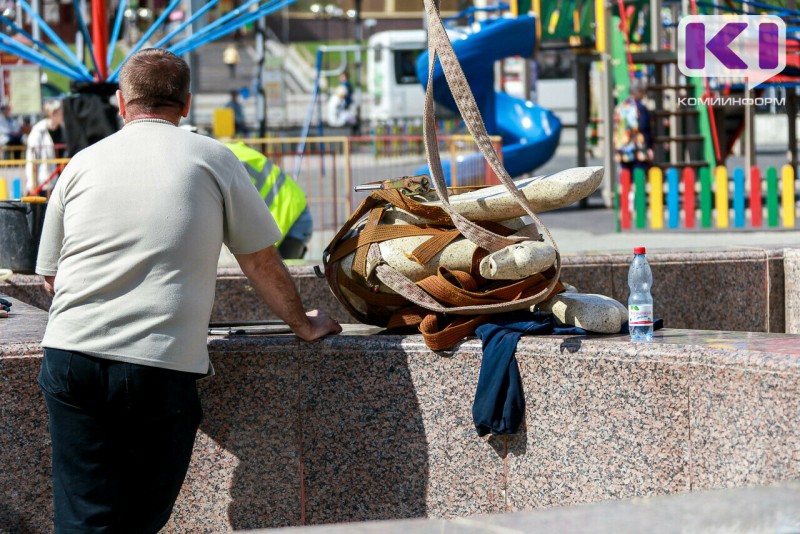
(13,175)
(329,168)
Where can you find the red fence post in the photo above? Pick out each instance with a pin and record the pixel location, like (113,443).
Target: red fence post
(755,197)
(624,199)
(688,196)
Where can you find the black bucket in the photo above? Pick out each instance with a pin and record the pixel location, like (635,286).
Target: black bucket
(20,230)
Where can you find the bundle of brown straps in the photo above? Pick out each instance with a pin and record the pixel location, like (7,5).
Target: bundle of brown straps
(449,305)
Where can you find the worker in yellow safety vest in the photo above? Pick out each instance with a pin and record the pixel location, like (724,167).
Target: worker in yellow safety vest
(284,198)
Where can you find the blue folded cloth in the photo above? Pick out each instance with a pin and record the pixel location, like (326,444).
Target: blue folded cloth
(499,404)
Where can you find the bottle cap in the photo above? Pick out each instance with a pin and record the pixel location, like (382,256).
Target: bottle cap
(639,250)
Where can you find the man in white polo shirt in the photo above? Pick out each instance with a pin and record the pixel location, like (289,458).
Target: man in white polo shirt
(130,246)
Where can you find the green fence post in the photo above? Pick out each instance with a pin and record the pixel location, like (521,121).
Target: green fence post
(705,197)
(640,198)
(772,197)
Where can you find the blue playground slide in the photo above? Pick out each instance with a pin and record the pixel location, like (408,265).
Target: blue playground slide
(530,133)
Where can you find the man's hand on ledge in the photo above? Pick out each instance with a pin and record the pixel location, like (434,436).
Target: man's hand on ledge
(273,283)
(49,285)
(319,324)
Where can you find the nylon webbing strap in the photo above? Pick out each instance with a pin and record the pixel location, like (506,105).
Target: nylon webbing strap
(439,45)
(360,259)
(448,292)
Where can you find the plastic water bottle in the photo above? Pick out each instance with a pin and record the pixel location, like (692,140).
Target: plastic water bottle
(640,302)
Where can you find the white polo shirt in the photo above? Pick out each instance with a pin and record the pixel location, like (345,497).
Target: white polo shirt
(133,232)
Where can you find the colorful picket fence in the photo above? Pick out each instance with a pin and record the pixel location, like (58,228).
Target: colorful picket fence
(11,182)
(673,199)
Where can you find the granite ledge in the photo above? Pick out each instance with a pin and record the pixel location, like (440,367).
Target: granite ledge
(755,351)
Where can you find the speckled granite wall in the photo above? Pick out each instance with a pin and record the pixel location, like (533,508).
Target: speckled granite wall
(791,267)
(359,427)
(236,300)
(382,426)
(774,508)
(730,289)
(25,502)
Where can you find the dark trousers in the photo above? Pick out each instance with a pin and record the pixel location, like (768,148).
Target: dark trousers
(122,437)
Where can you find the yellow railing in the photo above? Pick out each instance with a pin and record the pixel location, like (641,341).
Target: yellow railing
(329,168)
(13,177)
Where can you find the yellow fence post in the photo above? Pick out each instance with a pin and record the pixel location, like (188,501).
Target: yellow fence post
(223,123)
(656,177)
(787,197)
(721,196)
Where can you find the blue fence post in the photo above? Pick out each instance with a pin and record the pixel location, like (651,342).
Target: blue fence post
(16,187)
(673,198)
(738,197)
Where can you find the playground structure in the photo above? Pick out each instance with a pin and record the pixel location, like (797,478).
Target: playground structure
(638,39)
(93,71)
(100,46)
(530,133)
(625,39)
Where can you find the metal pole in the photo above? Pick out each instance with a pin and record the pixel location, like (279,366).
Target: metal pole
(655,25)
(608,113)
(791,112)
(749,124)
(194,59)
(261,100)
(100,36)
(582,77)
(79,43)
(359,38)
(35,31)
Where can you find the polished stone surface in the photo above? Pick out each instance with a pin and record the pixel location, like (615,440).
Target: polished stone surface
(25,505)
(770,509)
(751,288)
(791,268)
(370,426)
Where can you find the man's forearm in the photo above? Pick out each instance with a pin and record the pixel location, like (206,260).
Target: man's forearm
(273,283)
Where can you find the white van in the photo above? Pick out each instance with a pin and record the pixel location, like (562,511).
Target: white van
(392,75)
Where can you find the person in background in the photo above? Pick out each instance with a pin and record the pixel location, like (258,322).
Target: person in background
(239,122)
(230,56)
(285,199)
(130,248)
(11,131)
(633,136)
(347,90)
(42,141)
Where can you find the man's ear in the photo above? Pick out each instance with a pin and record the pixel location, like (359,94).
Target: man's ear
(187,106)
(121,104)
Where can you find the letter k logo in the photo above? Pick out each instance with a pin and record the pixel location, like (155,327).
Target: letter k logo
(752,47)
(719,45)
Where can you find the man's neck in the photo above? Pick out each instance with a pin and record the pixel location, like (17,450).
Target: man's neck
(169,118)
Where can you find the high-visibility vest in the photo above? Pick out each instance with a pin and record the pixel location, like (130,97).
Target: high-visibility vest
(285,199)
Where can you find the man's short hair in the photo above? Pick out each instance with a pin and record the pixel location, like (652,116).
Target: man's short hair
(153,79)
(50,107)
